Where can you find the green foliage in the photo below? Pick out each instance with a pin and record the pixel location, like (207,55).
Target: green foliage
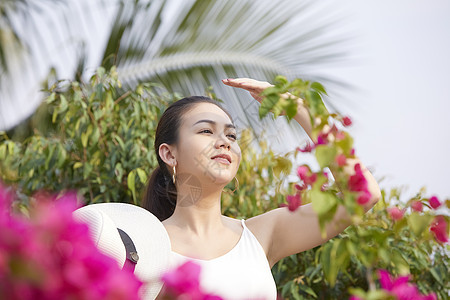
(103,147)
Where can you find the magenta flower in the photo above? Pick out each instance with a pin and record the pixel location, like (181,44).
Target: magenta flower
(294,201)
(51,256)
(303,172)
(417,206)
(434,202)
(401,288)
(395,213)
(364,197)
(300,188)
(183,282)
(307,148)
(322,139)
(439,229)
(357,182)
(346,121)
(341,160)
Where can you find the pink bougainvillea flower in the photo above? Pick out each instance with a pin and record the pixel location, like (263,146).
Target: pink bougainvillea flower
(294,201)
(346,121)
(401,288)
(352,152)
(417,206)
(355,298)
(184,278)
(322,139)
(395,213)
(340,135)
(434,202)
(61,260)
(299,187)
(364,197)
(357,182)
(307,148)
(439,229)
(183,282)
(302,172)
(341,160)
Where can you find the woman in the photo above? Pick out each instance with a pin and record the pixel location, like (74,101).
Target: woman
(198,156)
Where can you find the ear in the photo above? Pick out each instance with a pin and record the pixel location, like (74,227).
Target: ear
(167,154)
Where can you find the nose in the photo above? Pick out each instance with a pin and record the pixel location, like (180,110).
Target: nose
(223,141)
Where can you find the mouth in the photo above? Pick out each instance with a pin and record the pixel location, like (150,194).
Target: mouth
(223,158)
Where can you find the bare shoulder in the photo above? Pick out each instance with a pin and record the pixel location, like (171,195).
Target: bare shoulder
(262,228)
(233,224)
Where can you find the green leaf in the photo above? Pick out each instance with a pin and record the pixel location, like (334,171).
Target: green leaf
(316,106)
(324,204)
(307,290)
(131,184)
(419,223)
(77,165)
(282,165)
(291,108)
(142,175)
(51,98)
(268,103)
(346,144)
(318,87)
(325,155)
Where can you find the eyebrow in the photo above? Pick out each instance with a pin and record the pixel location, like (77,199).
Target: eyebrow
(214,123)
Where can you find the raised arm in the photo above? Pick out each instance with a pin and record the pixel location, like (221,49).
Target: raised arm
(281,232)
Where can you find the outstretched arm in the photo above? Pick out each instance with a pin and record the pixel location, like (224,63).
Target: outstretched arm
(281,232)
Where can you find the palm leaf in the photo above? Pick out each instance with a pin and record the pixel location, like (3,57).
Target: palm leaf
(202,42)
(190,45)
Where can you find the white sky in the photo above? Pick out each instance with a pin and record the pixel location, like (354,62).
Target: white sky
(401,115)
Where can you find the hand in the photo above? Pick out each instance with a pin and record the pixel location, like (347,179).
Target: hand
(253,86)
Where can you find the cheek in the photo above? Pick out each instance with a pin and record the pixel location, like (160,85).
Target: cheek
(237,152)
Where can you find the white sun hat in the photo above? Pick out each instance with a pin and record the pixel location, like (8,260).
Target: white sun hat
(149,240)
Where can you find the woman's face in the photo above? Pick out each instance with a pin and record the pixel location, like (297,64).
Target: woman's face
(207,146)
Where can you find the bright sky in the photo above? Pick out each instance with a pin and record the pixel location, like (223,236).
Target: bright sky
(401,114)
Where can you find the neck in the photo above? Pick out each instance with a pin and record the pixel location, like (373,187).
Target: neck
(198,211)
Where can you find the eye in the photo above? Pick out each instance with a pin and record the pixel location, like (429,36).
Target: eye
(232,136)
(206,131)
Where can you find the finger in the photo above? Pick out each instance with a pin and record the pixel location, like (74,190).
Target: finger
(247,82)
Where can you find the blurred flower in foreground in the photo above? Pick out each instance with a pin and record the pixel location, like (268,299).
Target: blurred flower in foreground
(417,206)
(51,256)
(401,288)
(183,282)
(434,202)
(346,121)
(395,213)
(303,172)
(358,183)
(294,202)
(439,228)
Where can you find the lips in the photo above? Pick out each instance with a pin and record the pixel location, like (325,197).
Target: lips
(223,156)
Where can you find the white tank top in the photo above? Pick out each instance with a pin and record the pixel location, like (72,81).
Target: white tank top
(242,273)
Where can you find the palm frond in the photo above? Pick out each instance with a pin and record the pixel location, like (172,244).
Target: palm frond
(201,42)
(33,36)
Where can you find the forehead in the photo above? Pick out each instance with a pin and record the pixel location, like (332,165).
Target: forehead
(209,111)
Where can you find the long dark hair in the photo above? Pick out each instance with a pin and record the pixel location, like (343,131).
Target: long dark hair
(161,194)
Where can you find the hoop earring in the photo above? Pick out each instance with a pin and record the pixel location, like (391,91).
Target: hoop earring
(174,174)
(236,186)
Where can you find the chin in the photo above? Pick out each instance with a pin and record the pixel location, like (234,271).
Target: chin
(222,177)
